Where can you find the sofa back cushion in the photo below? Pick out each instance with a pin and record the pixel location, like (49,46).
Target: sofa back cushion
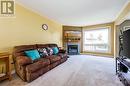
(33,54)
(46,45)
(52,45)
(42,45)
(19,50)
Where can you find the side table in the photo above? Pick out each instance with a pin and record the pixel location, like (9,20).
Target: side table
(6,58)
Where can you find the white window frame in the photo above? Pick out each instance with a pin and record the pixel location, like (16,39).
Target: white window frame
(98,28)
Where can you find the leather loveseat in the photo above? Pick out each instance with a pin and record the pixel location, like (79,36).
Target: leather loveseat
(29,70)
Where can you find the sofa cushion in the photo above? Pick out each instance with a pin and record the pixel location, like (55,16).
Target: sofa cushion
(63,55)
(53,58)
(33,54)
(42,62)
(42,52)
(63,60)
(54,64)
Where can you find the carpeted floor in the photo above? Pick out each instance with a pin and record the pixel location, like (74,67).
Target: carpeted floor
(78,70)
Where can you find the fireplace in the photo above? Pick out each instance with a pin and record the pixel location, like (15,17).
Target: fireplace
(73,49)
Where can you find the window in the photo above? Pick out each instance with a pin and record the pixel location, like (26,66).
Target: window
(97,40)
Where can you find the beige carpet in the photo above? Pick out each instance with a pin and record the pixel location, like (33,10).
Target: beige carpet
(80,70)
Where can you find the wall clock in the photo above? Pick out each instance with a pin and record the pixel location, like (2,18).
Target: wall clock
(44,27)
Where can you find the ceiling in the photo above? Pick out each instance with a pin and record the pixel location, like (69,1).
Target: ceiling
(77,12)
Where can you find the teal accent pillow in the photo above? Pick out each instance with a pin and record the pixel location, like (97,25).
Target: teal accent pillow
(33,54)
(55,50)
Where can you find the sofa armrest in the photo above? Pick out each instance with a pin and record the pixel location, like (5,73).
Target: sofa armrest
(23,60)
(62,51)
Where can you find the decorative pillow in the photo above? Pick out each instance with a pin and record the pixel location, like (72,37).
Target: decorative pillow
(49,51)
(55,50)
(33,54)
(42,52)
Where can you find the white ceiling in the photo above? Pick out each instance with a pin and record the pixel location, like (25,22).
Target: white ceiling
(77,12)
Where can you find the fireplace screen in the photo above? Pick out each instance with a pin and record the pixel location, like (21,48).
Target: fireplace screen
(73,49)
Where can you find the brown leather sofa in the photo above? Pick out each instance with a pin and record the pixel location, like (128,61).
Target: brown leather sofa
(29,70)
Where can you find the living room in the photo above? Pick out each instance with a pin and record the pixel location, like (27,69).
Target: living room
(84,37)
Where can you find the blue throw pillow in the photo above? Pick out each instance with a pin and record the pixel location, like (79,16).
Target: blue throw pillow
(33,54)
(55,50)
